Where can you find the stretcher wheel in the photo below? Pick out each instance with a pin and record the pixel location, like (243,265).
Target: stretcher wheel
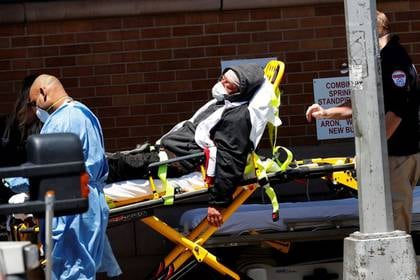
(159,270)
(169,272)
(164,273)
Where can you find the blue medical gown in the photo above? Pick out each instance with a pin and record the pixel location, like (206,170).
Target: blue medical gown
(81,247)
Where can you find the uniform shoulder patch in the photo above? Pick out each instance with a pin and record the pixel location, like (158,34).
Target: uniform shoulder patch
(399,78)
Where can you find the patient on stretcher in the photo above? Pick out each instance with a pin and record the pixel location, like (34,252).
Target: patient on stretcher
(228,127)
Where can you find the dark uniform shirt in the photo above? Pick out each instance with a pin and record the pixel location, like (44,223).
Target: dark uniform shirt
(399,86)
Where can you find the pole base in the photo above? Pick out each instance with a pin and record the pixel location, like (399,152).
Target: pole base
(385,256)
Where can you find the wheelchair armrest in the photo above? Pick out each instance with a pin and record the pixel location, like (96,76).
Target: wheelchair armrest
(157,164)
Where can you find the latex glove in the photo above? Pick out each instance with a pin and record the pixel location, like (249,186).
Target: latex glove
(20,198)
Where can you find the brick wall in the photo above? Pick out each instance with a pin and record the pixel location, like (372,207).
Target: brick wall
(141,75)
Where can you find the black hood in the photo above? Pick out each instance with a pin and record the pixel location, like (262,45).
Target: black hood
(251,77)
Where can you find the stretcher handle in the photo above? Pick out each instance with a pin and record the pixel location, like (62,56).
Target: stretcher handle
(301,172)
(157,164)
(310,172)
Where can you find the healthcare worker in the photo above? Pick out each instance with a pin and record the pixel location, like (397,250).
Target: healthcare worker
(80,246)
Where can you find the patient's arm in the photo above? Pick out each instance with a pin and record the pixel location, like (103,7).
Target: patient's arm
(231,137)
(214,217)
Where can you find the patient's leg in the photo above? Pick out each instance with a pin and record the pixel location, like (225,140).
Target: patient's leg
(126,166)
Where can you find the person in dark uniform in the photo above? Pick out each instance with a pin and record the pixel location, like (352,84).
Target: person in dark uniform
(401,102)
(222,126)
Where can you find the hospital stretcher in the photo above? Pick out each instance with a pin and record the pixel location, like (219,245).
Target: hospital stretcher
(192,244)
(339,170)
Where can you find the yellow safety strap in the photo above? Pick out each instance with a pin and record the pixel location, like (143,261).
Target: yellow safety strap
(289,157)
(168,198)
(261,169)
(261,173)
(272,129)
(110,202)
(269,191)
(250,166)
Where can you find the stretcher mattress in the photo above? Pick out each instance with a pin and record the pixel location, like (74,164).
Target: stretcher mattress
(311,215)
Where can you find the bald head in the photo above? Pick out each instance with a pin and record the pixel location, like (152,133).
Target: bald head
(45,91)
(46,80)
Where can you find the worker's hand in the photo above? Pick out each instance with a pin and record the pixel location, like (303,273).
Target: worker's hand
(315,111)
(214,217)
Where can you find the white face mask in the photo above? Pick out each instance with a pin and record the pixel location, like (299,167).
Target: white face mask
(42,114)
(218,91)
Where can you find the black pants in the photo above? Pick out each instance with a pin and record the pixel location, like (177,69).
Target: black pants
(134,165)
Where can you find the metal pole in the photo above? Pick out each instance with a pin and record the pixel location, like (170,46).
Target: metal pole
(368,116)
(49,214)
(376,252)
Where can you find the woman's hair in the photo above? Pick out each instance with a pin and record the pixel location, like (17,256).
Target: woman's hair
(382,24)
(18,118)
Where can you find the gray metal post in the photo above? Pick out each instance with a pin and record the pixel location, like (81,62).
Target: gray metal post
(368,116)
(376,252)
(49,214)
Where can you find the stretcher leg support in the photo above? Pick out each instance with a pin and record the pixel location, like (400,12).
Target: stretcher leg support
(200,253)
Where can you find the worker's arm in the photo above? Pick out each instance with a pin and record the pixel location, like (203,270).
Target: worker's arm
(338,113)
(392,121)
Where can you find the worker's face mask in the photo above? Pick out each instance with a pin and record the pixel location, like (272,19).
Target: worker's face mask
(219,92)
(42,114)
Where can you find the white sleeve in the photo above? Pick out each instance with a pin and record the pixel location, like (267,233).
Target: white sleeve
(261,111)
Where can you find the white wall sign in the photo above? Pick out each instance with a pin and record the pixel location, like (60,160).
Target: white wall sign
(331,92)
(260,61)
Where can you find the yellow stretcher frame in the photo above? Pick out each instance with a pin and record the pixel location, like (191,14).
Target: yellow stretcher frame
(192,245)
